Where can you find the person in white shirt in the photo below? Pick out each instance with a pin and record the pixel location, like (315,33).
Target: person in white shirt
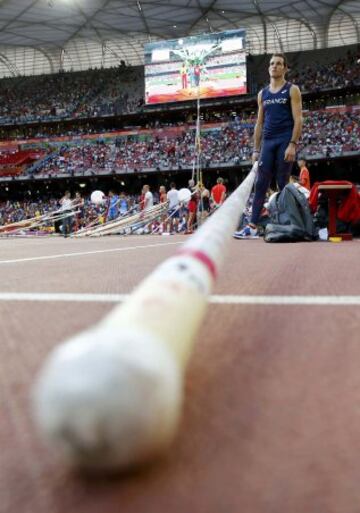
(148,198)
(174,207)
(66,207)
(173,196)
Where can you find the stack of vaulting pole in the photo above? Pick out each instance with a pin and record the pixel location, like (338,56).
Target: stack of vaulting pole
(125,224)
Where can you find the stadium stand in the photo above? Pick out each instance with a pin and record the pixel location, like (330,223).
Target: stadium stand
(93,124)
(91,93)
(16,163)
(329,132)
(118,91)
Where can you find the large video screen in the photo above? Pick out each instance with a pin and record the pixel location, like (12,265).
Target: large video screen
(206,66)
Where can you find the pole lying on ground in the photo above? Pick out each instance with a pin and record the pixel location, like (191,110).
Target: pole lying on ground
(110,398)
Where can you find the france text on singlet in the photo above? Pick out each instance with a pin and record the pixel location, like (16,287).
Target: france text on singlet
(278,119)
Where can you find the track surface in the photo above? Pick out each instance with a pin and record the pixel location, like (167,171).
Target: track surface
(272,414)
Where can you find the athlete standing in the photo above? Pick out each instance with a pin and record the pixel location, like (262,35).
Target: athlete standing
(277,132)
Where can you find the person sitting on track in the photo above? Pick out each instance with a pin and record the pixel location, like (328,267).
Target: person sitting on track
(304,190)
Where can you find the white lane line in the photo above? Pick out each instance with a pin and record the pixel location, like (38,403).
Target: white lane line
(62,297)
(82,253)
(215,299)
(286,300)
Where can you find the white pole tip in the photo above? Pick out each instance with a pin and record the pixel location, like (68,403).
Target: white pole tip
(108,401)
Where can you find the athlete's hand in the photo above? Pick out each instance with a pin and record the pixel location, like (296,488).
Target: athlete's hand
(290,153)
(255,157)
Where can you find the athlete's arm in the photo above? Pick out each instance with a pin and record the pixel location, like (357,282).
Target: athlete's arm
(258,129)
(296,109)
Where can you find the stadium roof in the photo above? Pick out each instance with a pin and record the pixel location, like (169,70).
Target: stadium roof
(42,36)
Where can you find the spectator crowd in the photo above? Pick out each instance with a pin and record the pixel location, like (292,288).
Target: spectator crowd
(120,90)
(86,94)
(344,72)
(325,134)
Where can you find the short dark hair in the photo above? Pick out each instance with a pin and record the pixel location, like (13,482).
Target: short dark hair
(282,57)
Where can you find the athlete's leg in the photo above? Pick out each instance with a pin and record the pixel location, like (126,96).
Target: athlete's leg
(283,168)
(265,174)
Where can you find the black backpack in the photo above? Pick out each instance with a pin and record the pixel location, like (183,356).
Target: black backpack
(290,217)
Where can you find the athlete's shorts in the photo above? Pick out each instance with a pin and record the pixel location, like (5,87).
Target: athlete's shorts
(271,165)
(174,212)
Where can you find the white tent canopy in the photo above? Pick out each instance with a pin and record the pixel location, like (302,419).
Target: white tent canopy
(43,36)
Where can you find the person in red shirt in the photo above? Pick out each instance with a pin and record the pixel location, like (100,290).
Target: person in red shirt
(218,193)
(304,177)
(162,194)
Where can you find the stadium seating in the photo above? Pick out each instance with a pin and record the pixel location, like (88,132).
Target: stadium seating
(116,91)
(16,163)
(326,133)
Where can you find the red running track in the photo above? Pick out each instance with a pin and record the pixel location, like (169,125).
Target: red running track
(272,414)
